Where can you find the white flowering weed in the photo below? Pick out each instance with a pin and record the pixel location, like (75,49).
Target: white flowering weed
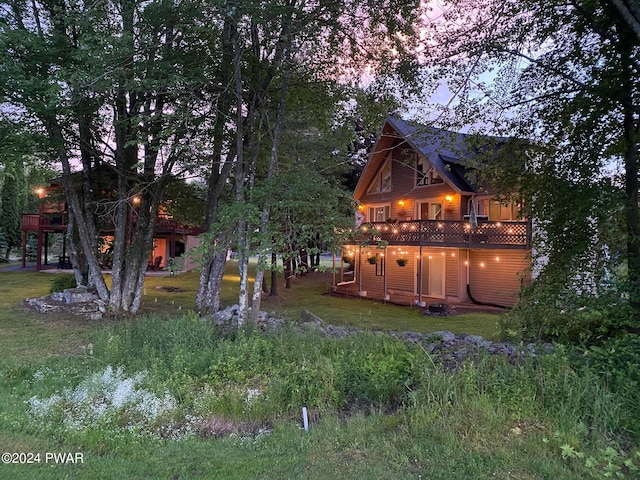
(104,398)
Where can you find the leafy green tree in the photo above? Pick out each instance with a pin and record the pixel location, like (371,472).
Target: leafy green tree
(11,219)
(274,46)
(563,76)
(122,89)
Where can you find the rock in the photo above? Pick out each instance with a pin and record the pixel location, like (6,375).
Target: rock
(448,350)
(78,295)
(446,336)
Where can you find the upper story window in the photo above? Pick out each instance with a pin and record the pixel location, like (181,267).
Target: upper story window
(379,213)
(382,180)
(426,174)
(500,211)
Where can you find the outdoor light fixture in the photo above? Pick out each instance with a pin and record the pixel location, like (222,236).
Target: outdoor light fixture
(401,203)
(448,198)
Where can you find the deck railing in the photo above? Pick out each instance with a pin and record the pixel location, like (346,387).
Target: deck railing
(46,221)
(448,233)
(57,222)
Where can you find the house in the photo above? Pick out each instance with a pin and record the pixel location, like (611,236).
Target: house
(170,239)
(425,232)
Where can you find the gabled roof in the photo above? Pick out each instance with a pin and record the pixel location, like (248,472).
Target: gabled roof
(449,152)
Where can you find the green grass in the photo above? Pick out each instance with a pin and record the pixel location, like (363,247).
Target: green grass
(311,292)
(379,408)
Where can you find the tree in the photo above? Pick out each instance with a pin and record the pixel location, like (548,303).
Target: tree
(21,156)
(11,219)
(564,76)
(118,88)
(274,45)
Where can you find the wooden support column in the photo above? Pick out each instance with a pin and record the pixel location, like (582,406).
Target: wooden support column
(39,250)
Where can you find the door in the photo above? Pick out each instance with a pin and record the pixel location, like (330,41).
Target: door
(430,211)
(433,276)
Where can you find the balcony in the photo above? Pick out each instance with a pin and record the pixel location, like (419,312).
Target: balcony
(51,222)
(447,233)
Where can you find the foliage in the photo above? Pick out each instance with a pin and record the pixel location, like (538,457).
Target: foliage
(62,281)
(545,73)
(185,202)
(617,361)
(3,245)
(11,202)
(546,313)
(379,407)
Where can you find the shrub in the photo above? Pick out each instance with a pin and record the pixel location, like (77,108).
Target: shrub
(62,281)
(617,361)
(572,318)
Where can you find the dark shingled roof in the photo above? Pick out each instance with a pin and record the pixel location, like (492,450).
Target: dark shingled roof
(449,152)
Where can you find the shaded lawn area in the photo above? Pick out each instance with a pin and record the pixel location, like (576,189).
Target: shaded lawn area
(311,292)
(27,335)
(167,295)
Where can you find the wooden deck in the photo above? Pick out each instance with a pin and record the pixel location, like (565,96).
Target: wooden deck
(448,233)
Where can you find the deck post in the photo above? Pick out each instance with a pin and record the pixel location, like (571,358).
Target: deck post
(420,275)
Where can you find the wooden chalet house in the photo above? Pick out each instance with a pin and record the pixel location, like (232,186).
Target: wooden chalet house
(425,233)
(170,239)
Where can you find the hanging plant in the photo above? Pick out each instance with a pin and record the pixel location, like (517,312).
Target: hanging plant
(372,260)
(402,261)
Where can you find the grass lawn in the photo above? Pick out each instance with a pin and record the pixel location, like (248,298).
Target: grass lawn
(312,293)
(379,409)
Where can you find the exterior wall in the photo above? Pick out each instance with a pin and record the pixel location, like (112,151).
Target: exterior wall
(160,249)
(400,284)
(403,188)
(190,243)
(495,276)
(367,280)
(401,280)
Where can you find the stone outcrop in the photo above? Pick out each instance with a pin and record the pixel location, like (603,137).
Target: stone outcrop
(447,348)
(72,301)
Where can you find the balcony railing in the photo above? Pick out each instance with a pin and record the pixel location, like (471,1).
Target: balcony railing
(57,222)
(447,233)
(45,221)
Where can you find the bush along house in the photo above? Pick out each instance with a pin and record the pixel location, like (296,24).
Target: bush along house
(425,233)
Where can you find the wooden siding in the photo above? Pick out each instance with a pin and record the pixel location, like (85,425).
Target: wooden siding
(495,276)
(402,279)
(403,188)
(453,274)
(368,280)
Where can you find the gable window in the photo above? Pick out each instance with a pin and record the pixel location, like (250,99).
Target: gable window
(382,180)
(426,174)
(379,213)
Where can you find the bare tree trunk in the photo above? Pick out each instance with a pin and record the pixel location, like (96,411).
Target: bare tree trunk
(86,228)
(274,275)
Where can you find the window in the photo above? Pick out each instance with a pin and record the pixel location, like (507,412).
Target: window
(430,211)
(382,181)
(503,211)
(422,171)
(380,213)
(426,173)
